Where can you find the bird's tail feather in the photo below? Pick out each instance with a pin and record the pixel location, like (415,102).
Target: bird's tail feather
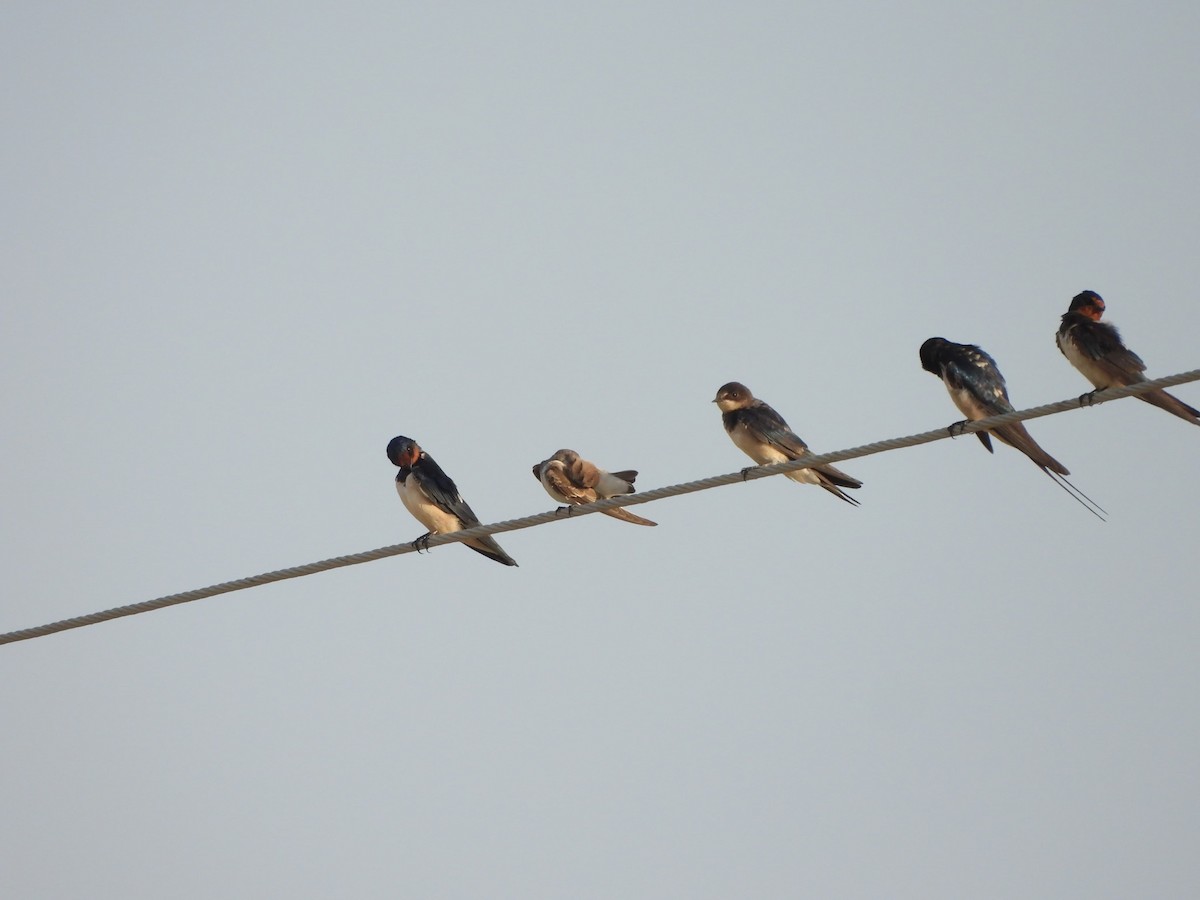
(1017,436)
(1173,405)
(838,492)
(626,516)
(838,477)
(1079,496)
(489,548)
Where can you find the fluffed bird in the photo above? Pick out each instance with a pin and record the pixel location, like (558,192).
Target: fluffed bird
(1095,348)
(979,391)
(762,434)
(572,480)
(433,498)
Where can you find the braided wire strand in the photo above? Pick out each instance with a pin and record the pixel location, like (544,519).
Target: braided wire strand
(556,515)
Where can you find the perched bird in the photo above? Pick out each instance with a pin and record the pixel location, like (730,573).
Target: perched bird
(762,434)
(1095,348)
(572,480)
(433,499)
(978,390)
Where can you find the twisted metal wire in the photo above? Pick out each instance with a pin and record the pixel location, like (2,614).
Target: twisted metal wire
(650,496)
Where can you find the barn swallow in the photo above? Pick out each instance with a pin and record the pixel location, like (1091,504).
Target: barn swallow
(762,434)
(1095,348)
(572,480)
(433,499)
(978,390)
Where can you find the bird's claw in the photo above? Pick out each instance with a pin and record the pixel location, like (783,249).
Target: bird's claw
(422,543)
(746,472)
(563,509)
(957,428)
(1088,399)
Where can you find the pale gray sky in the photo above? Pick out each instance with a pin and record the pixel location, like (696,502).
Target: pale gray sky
(247,246)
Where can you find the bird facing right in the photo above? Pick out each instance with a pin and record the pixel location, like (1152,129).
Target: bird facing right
(1095,348)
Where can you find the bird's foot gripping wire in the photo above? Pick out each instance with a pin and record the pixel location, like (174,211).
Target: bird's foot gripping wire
(563,510)
(1088,399)
(957,429)
(746,471)
(422,543)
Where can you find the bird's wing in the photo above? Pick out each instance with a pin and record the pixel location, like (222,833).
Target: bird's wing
(556,474)
(1102,342)
(441,489)
(583,474)
(767,425)
(977,373)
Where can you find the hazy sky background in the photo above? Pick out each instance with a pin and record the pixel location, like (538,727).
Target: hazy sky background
(246,246)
